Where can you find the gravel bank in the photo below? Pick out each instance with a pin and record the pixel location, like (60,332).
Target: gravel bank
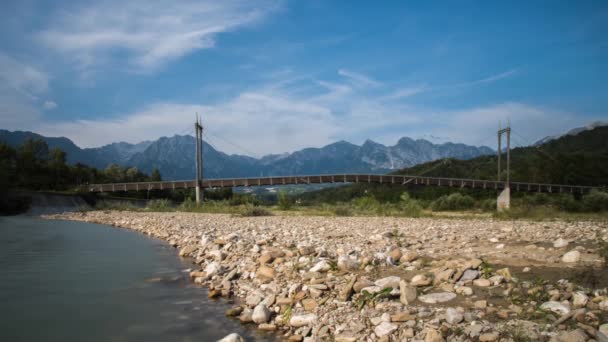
(392,279)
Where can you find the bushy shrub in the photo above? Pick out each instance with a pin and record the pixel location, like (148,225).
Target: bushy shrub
(366,203)
(455,201)
(159,205)
(251,210)
(284,201)
(488,204)
(116,205)
(596,201)
(187,205)
(342,210)
(410,206)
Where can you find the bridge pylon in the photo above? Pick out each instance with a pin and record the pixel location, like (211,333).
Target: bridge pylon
(503,202)
(198,128)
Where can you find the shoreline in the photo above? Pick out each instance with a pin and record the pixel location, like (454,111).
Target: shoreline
(388,279)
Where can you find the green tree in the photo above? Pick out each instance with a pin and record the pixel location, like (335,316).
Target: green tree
(155,176)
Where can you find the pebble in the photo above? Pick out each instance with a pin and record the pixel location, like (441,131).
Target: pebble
(234,337)
(572,256)
(440,297)
(261,314)
(384,328)
(302,320)
(453,316)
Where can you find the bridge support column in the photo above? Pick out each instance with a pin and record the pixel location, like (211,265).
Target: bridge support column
(503,202)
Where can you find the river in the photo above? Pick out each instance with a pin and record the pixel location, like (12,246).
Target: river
(75,281)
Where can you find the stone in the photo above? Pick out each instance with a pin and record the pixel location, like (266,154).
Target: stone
(560,243)
(469,275)
(392,282)
(187,250)
(347,264)
(234,337)
(265,258)
(603,305)
(306,250)
(433,335)
(309,304)
(488,337)
(395,255)
(212,269)
(403,316)
(576,335)
(439,297)
(253,298)
(556,307)
(321,266)
(302,320)
(362,283)
(384,328)
(453,316)
(267,327)
(602,333)
(464,290)
(234,311)
(347,290)
(265,273)
(260,314)
(505,273)
(481,282)
(572,256)
(481,304)
(579,299)
(344,338)
(420,280)
(407,294)
(408,256)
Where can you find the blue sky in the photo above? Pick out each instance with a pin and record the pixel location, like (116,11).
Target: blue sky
(274,76)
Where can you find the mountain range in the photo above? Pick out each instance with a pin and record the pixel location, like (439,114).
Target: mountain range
(174,156)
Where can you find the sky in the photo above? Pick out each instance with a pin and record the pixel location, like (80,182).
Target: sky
(274,76)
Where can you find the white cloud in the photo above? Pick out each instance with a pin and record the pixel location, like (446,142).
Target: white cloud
(151,33)
(48,105)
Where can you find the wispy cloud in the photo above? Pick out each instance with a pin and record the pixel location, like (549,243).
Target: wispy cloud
(150,33)
(273,119)
(359,79)
(489,79)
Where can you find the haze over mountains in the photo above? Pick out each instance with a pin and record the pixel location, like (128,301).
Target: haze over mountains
(173,156)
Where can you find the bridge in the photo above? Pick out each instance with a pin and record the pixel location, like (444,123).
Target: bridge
(503,201)
(341,178)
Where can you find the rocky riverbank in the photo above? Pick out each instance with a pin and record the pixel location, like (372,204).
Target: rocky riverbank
(393,279)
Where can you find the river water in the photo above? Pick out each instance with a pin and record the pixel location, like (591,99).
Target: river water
(75,281)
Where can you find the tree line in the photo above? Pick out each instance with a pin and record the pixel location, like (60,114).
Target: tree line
(33,166)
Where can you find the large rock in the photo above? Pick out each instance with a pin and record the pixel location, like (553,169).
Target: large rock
(392,282)
(302,320)
(556,307)
(560,243)
(420,280)
(260,314)
(407,293)
(212,269)
(469,275)
(572,256)
(453,316)
(579,299)
(384,328)
(234,337)
(321,266)
(439,297)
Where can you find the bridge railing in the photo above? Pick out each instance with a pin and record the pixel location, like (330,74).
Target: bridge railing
(340,178)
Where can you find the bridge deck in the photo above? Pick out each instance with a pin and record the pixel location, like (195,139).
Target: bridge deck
(340,178)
